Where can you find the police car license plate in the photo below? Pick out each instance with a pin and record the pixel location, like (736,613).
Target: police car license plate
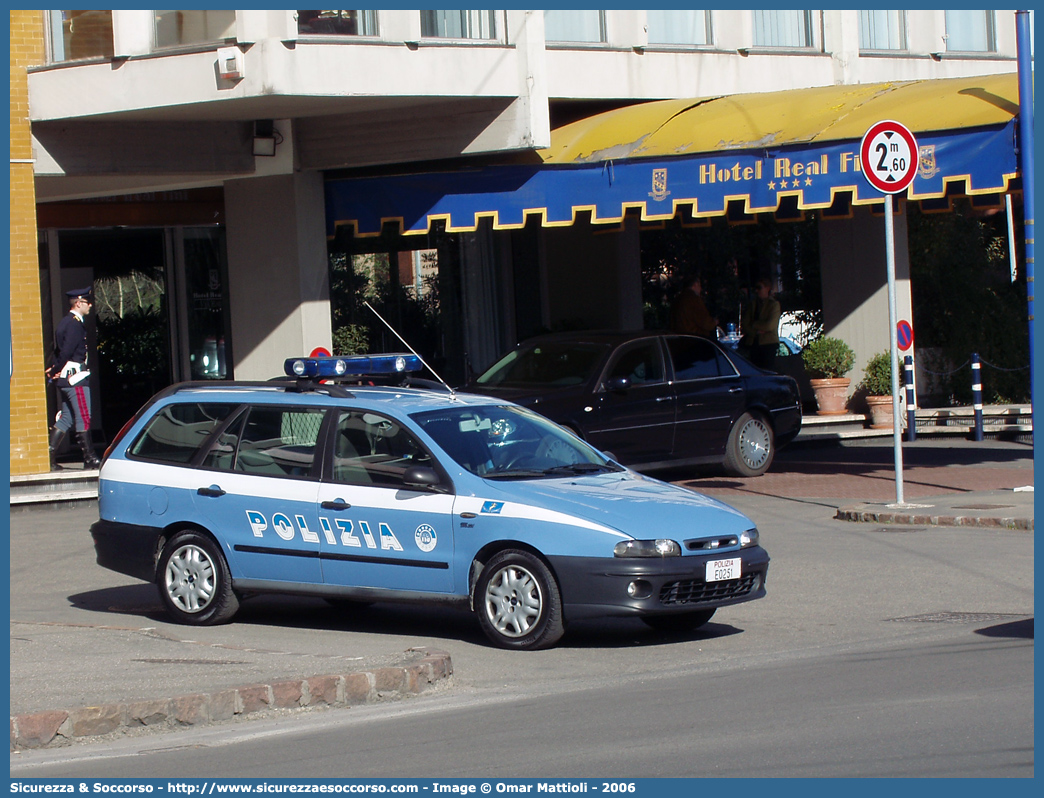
(720,570)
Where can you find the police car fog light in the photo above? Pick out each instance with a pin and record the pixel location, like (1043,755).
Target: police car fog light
(647,548)
(749,538)
(639,589)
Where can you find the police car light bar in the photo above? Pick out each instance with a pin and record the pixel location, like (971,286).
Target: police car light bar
(354,366)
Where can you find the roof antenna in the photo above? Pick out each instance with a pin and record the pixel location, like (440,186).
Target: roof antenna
(453,394)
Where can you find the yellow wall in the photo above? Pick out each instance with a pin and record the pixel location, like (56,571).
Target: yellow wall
(28,398)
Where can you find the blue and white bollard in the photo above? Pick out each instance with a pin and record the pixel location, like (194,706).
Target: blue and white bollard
(911,400)
(976,367)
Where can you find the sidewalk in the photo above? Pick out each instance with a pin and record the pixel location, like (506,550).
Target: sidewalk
(199,682)
(946,482)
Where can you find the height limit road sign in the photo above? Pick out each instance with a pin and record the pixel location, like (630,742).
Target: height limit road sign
(888,154)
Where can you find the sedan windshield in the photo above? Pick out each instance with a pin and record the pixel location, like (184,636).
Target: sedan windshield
(547,364)
(510,443)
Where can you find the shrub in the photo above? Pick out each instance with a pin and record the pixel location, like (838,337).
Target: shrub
(351,339)
(877,375)
(828,358)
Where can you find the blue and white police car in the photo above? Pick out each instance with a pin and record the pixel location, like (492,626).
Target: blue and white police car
(360,494)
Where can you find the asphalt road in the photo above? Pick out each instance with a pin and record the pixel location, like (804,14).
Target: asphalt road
(878,651)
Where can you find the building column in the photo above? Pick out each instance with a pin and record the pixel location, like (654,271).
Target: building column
(28,400)
(279,284)
(855,280)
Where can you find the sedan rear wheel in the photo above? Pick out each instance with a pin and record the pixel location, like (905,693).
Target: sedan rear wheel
(194,581)
(518,603)
(751,447)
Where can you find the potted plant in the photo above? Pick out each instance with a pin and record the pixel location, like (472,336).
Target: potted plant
(827,361)
(877,383)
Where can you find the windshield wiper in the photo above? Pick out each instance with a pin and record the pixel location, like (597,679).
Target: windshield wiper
(517,473)
(581,468)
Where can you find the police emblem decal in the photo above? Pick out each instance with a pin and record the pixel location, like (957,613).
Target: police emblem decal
(426,537)
(659,185)
(492,507)
(926,165)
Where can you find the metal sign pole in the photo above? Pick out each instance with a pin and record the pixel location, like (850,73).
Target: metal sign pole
(894,337)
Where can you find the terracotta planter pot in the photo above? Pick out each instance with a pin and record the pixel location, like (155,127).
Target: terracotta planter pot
(831,396)
(880,411)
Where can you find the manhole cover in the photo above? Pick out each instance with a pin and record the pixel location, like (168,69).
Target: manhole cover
(982,506)
(956,617)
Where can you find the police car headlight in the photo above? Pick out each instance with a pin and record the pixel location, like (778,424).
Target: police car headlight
(749,538)
(647,548)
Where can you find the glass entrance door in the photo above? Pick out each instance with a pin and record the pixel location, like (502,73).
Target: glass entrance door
(161,311)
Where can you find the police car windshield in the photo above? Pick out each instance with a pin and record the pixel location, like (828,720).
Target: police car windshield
(510,443)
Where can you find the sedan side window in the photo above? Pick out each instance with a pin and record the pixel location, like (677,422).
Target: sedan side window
(693,359)
(370,449)
(641,364)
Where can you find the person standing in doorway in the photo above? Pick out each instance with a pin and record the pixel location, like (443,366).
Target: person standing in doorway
(689,314)
(69,373)
(760,326)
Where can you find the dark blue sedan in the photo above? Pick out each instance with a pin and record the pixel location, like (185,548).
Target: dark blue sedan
(652,399)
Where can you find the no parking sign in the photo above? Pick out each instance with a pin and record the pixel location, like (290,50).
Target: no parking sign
(904,335)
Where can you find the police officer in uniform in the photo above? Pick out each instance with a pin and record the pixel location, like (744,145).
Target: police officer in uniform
(69,373)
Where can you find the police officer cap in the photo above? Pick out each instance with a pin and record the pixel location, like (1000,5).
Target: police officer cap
(79,293)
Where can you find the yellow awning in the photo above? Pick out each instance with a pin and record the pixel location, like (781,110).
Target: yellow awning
(776,119)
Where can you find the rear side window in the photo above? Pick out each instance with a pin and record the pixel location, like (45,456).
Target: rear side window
(176,432)
(269,441)
(696,359)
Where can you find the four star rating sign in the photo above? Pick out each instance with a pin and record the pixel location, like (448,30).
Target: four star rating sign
(888,154)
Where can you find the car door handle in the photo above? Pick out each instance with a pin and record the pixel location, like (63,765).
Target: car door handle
(337,504)
(735,389)
(664,398)
(213,490)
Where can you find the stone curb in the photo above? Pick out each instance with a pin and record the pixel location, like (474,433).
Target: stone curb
(865,513)
(55,728)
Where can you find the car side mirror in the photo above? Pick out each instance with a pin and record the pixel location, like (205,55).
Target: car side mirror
(618,383)
(420,477)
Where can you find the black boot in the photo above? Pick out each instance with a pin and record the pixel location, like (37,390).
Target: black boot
(57,436)
(90,459)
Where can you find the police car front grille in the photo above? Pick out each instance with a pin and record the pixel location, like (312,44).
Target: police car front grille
(691,591)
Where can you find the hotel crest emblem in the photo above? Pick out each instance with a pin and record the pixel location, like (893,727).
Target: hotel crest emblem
(926,166)
(659,185)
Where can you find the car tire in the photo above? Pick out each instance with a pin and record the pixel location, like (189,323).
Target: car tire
(751,446)
(194,581)
(681,622)
(518,603)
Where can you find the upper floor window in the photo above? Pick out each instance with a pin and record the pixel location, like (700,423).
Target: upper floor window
(337,23)
(970,31)
(782,28)
(882,30)
(574,26)
(678,27)
(175,28)
(80,34)
(458,24)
